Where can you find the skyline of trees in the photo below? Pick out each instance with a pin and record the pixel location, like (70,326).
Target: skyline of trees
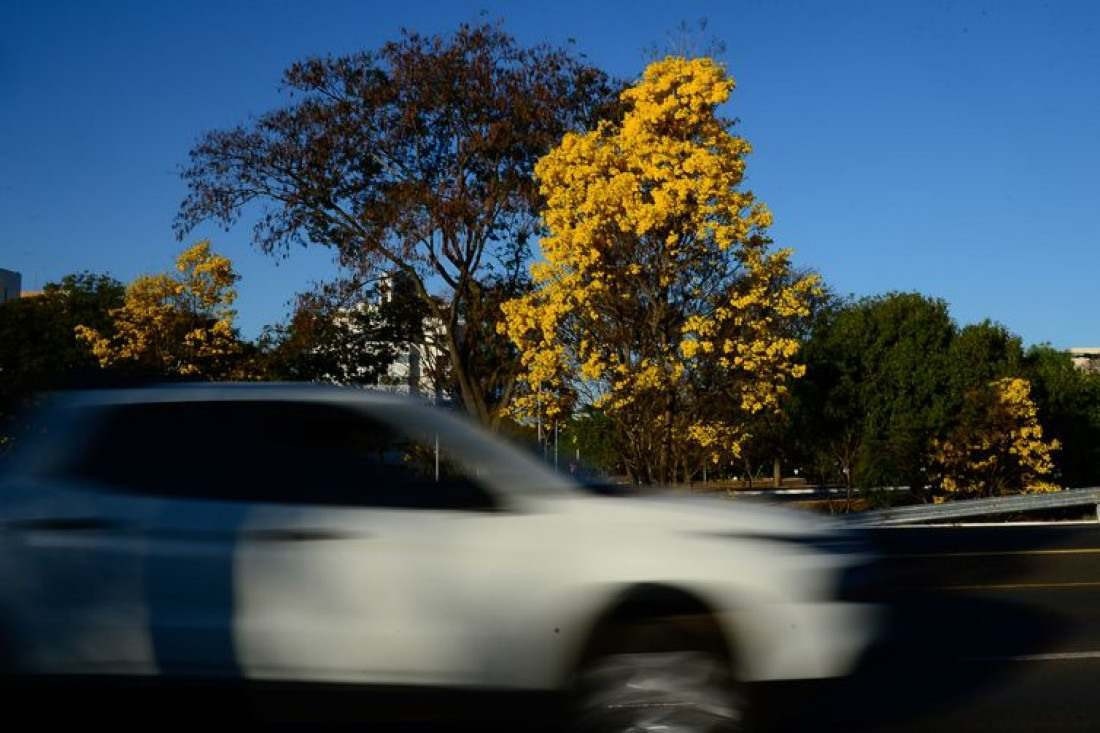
(892,380)
(660,330)
(855,408)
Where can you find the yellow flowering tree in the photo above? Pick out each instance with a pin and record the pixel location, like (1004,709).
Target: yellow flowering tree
(175,324)
(997,447)
(659,298)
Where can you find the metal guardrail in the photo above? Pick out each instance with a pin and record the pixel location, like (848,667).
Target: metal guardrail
(814,492)
(978,508)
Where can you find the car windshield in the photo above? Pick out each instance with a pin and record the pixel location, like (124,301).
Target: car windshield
(480,454)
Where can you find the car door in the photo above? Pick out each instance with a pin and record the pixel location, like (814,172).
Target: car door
(356,565)
(150,490)
(81,528)
(72,597)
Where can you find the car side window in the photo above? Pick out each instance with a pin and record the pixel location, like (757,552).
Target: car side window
(270,451)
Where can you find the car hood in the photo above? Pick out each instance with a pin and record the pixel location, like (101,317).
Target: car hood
(673,510)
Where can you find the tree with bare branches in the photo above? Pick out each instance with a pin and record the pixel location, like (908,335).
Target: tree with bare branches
(416,157)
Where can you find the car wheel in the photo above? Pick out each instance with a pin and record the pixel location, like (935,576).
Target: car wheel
(658,682)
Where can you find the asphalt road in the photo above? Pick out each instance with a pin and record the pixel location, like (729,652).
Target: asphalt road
(996,628)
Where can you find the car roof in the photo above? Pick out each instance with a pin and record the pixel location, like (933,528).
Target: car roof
(416,412)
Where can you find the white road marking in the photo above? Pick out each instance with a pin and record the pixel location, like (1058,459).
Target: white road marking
(1052,657)
(1021,586)
(998,553)
(1035,523)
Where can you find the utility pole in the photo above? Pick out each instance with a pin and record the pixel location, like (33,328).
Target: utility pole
(555,445)
(538,420)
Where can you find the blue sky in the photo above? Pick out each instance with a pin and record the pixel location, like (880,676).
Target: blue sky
(945,147)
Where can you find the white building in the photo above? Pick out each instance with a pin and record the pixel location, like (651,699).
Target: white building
(421,367)
(1086,358)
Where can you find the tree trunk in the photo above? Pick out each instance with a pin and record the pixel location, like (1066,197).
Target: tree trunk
(666,467)
(472,399)
(777,473)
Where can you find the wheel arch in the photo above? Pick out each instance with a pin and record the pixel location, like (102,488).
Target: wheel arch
(656,602)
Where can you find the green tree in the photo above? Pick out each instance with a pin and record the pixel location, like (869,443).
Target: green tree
(590,434)
(981,353)
(1069,407)
(40,349)
(896,393)
(417,156)
(878,387)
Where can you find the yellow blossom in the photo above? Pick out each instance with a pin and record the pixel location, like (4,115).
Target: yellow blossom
(175,324)
(658,297)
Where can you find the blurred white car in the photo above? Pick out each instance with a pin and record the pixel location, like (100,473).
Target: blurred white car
(322,535)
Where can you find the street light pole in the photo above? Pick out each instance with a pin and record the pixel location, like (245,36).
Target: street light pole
(555,445)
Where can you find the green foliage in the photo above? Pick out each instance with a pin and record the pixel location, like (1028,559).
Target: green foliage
(40,349)
(889,375)
(591,434)
(979,354)
(877,387)
(1069,409)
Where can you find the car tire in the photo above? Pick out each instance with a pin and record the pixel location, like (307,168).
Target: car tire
(658,677)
